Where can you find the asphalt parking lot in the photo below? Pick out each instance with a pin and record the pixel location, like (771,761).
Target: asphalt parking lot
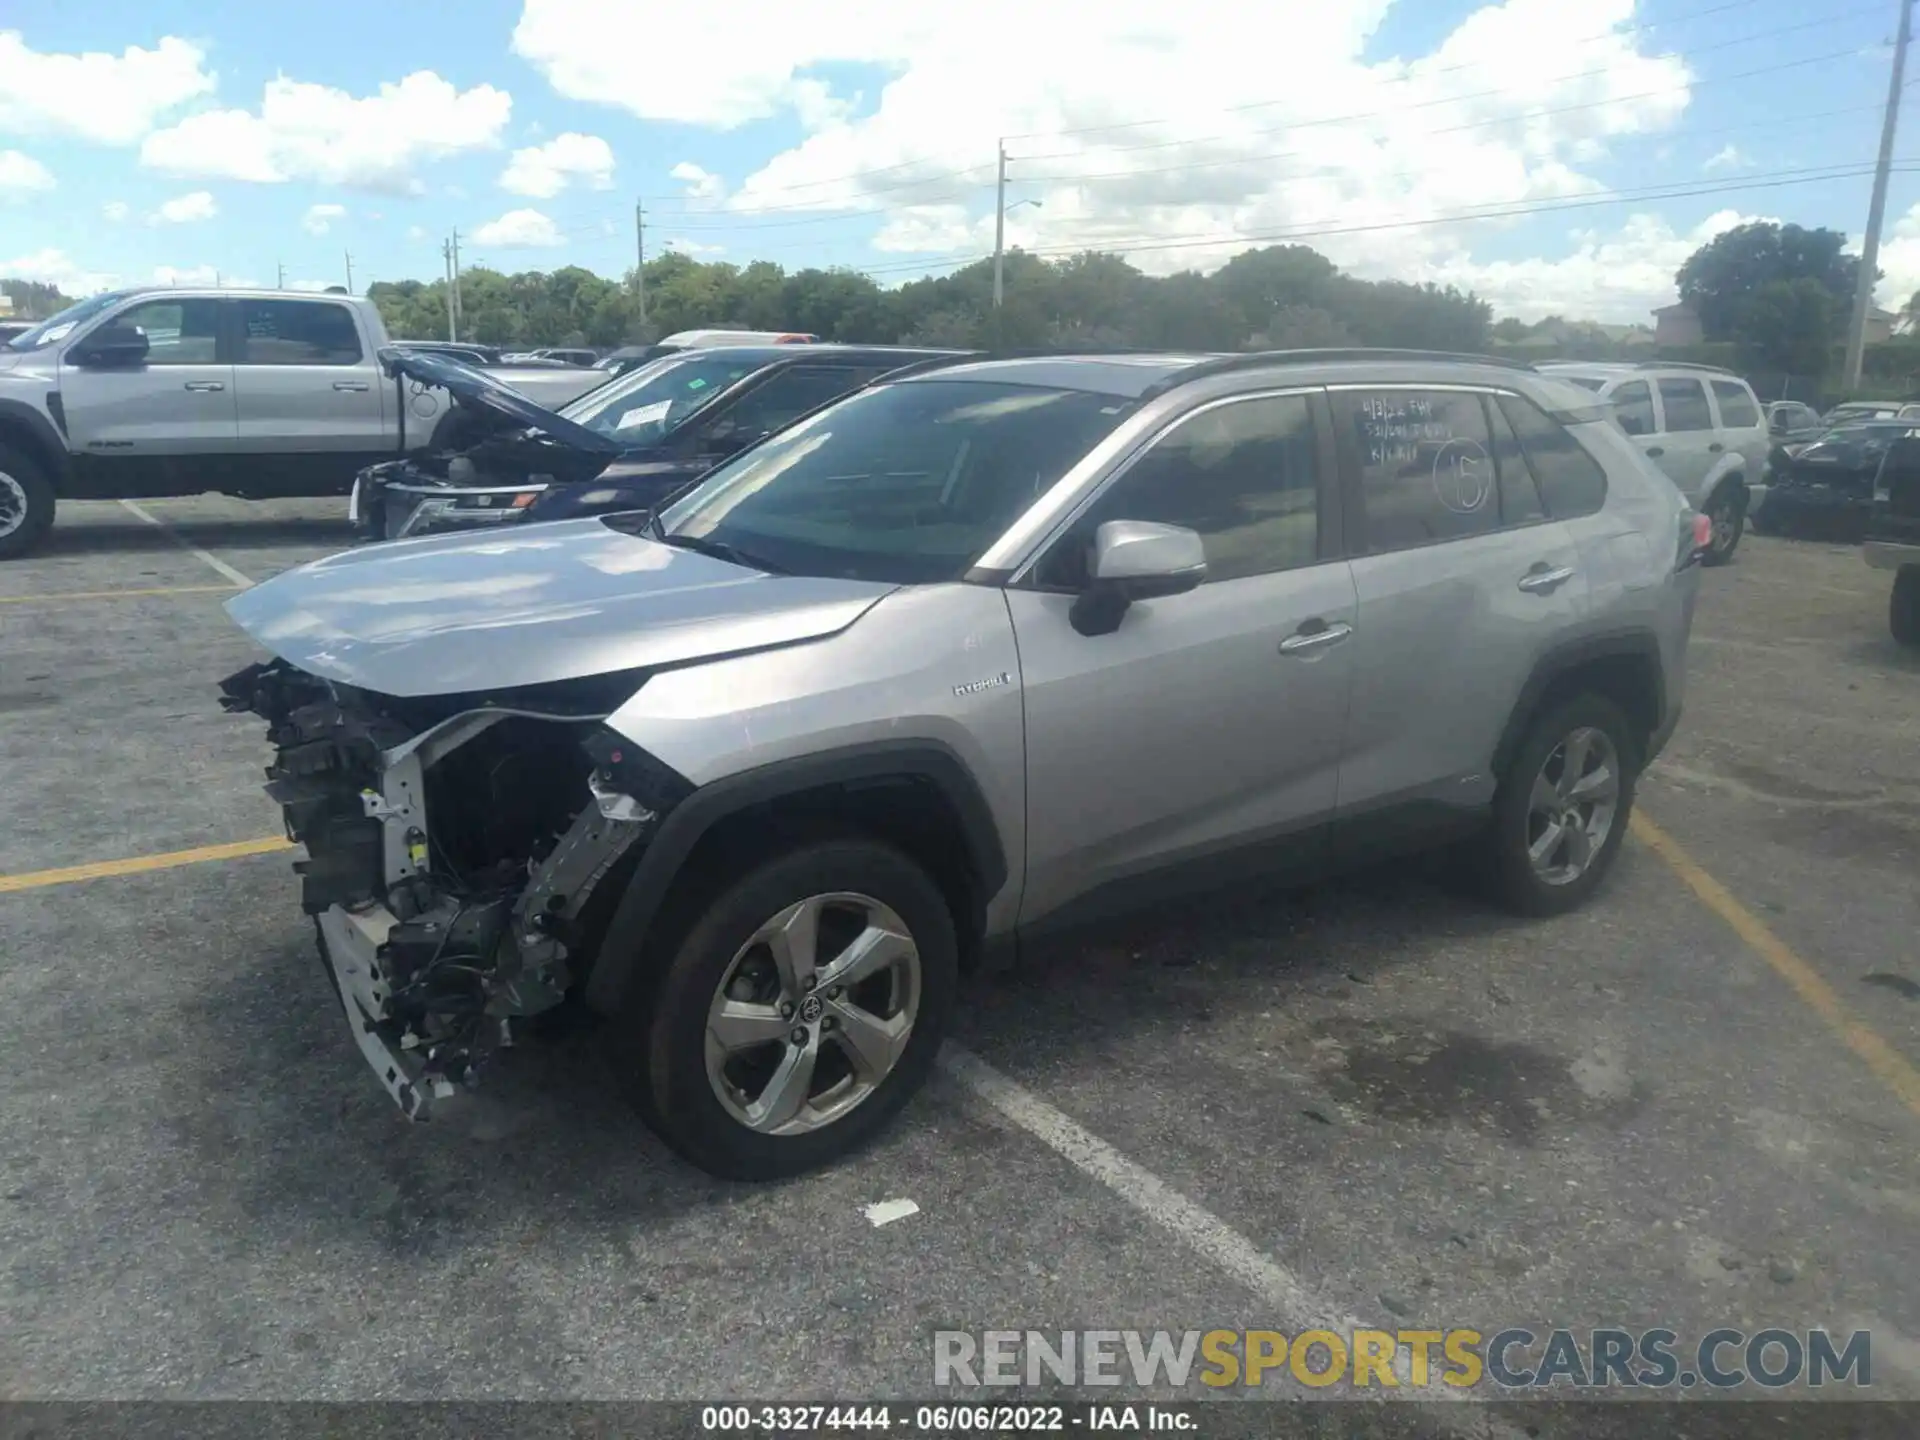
(1694,1104)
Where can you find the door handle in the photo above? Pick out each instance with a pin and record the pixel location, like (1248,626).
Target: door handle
(1544,579)
(1654,452)
(1715,448)
(1314,635)
(360,385)
(205,385)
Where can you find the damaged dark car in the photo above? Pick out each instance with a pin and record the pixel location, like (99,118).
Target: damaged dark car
(626,445)
(1824,489)
(1892,539)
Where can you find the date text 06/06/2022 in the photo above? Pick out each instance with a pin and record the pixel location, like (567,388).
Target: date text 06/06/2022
(944,1419)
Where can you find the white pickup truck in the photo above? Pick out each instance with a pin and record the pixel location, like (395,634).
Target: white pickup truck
(255,393)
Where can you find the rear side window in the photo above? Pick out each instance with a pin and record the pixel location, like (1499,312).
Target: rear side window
(1685,404)
(1737,410)
(782,399)
(1426,465)
(1572,483)
(1633,407)
(297,332)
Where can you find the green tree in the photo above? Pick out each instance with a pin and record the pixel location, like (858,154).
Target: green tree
(1720,278)
(1789,326)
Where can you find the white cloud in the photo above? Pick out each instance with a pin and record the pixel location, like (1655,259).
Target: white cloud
(1727,157)
(694,247)
(701,184)
(416,233)
(57,268)
(315,132)
(1899,261)
(185,209)
(543,171)
(108,99)
(519,229)
(1167,125)
(115,211)
(319,218)
(22,174)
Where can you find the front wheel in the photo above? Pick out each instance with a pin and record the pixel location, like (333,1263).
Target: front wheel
(1903,612)
(799,1013)
(1727,513)
(1561,810)
(26,503)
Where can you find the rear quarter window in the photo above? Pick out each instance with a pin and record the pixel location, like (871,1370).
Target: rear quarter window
(1572,483)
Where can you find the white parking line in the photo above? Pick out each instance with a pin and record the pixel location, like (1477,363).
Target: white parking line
(215,561)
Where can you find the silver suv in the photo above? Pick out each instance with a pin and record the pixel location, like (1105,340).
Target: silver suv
(983,650)
(1700,425)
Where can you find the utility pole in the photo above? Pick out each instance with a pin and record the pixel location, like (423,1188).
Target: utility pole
(459,311)
(1877,208)
(281,283)
(999,225)
(349,255)
(640,261)
(446,256)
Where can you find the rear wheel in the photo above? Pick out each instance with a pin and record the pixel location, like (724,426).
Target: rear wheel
(799,1013)
(1562,808)
(1727,512)
(1903,612)
(26,503)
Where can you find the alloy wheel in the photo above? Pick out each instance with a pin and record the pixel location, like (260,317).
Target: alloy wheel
(813,1013)
(13,504)
(1572,806)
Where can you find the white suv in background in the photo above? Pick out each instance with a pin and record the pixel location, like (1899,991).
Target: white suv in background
(1701,425)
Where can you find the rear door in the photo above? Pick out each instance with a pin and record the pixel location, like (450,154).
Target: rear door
(179,403)
(1462,582)
(305,382)
(1689,446)
(1742,429)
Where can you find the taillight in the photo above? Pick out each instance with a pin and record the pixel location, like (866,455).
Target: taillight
(1702,532)
(1696,534)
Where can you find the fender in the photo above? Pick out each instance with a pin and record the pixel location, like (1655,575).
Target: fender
(1564,659)
(44,442)
(1732,466)
(689,821)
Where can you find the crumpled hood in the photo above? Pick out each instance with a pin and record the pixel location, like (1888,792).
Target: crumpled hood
(489,392)
(460,613)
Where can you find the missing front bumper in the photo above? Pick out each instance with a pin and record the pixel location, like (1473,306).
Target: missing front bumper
(349,944)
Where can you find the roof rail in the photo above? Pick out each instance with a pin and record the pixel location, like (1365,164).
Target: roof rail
(1683,365)
(1258,359)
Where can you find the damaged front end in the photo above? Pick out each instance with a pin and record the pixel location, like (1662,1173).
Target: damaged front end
(463,854)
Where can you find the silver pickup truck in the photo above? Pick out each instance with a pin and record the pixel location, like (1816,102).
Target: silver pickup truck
(259,394)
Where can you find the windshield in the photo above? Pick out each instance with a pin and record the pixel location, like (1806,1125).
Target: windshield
(641,406)
(51,332)
(905,484)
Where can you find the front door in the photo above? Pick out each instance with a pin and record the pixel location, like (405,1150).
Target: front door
(1201,739)
(161,424)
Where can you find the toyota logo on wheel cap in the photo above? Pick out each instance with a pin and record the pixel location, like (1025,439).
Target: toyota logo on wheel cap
(810,1009)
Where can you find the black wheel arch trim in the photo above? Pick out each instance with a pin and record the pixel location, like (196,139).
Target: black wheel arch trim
(46,443)
(690,821)
(1563,660)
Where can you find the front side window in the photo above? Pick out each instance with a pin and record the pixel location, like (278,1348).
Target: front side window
(297,332)
(906,484)
(1737,410)
(1633,407)
(1684,402)
(1245,475)
(179,332)
(640,407)
(1426,465)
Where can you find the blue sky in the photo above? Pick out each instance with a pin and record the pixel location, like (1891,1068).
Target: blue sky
(846,133)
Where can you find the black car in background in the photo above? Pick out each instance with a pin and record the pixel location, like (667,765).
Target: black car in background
(625,445)
(1892,537)
(1824,489)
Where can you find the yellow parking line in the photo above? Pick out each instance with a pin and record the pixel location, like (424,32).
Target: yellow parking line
(113,594)
(1890,1067)
(140,864)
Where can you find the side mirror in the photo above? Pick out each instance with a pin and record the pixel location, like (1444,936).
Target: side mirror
(111,345)
(1136,560)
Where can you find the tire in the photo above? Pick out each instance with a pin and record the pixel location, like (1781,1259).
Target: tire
(1903,611)
(1516,881)
(665,1056)
(1728,511)
(27,503)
